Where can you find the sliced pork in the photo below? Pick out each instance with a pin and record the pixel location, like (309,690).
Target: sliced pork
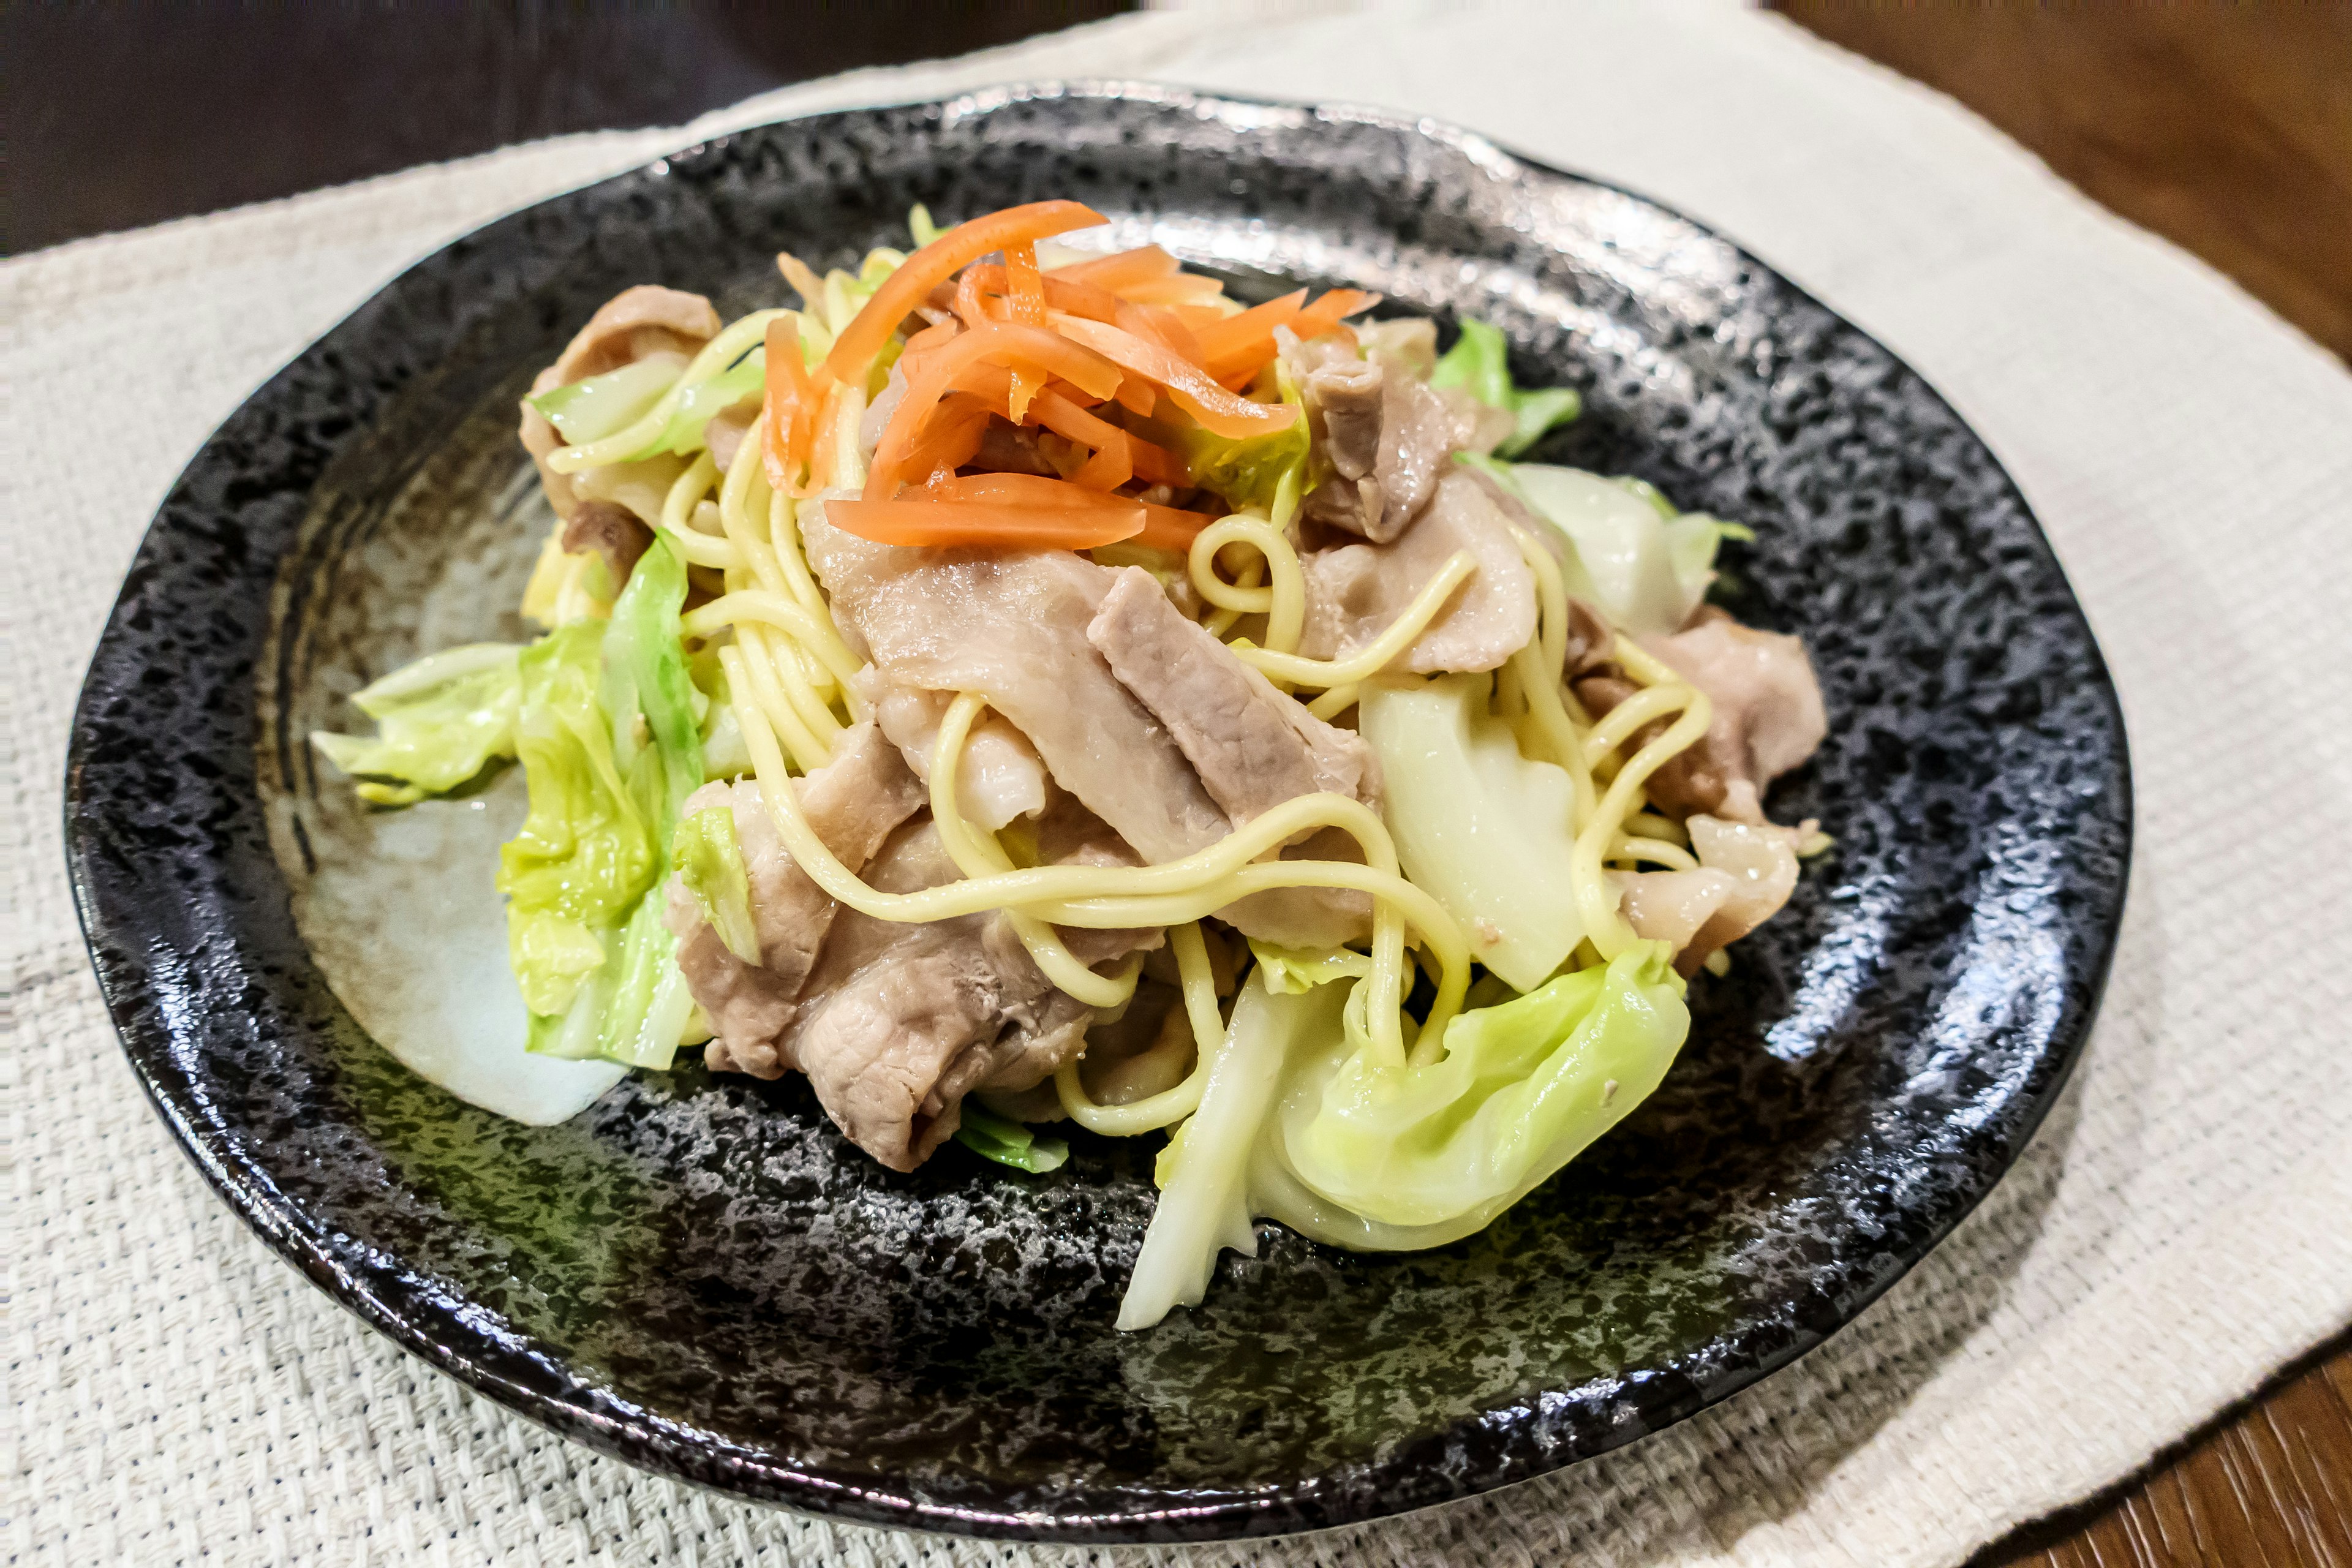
(1012,624)
(1354,592)
(1387,436)
(613,531)
(632,325)
(1253,747)
(1000,776)
(853,803)
(1744,876)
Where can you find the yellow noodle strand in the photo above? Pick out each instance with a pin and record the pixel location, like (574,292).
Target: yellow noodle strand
(1170,1105)
(1382,650)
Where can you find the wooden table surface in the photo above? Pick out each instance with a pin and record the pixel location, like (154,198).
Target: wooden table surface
(2227,129)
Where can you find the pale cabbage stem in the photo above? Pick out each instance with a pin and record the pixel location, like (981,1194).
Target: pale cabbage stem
(1283,601)
(1111,896)
(1382,650)
(738,339)
(1596,901)
(1169,1105)
(1335,702)
(698,548)
(1618,724)
(978,855)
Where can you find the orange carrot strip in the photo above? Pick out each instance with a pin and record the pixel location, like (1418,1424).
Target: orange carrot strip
(1112,465)
(1177,288)
(939,523)
(1135,395)
(997,343)
(1330,310)
(1217,410)
(1246,337)
(1155,463)
(859,342)
(1120,268)
(1026,290)
(792,407)
(951,437)
(1166,527)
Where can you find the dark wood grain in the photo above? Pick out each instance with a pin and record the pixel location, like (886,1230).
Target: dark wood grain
(2226,129)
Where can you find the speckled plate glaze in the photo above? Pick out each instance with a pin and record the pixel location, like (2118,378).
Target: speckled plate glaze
(699,1276)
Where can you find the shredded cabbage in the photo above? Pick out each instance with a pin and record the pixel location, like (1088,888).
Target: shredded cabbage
(710,864)
(1521,1090)
(602,405)
(1203,1200)
(440,720)
(1293,971)
(1266,474)
(586,854)
(1485,829)
(1007,1142)
(1479,363)
(1645,565)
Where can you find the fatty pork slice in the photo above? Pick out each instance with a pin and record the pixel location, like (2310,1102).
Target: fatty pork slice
(1768,715)
(1356,592)
(1012,624)
(1000,776)
(902,1020)
(1746,873)
(1254,748)
(853,803)
(1387,436)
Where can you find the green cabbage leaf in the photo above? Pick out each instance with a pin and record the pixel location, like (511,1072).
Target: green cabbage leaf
(1006,1141)
(1645,565)
(1479,363)
(710,864)
(1266,474)
(440,720)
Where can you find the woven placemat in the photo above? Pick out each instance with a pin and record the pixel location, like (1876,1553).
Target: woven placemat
(2177,1229)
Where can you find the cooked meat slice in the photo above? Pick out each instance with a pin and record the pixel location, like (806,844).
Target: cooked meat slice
(899,1021)
(1747,872)
(1013,625)
(632,324)
(1386,435)
(1697,779)
(1009,448)
(1768,715)
(854,803)
(1591,640)
(1000,776)
(1672,906)
(1254,747)
(1353,593)
(610,530)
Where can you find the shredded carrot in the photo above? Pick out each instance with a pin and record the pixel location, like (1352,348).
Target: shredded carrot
(998,342)
(940,523)
(1120,269)
(951,436)
(1157,465)
(792,407)
(1026,291)
(853,349)
(1239,344)
(1167,528)
(1164,527)
(1177,288)
(1218,410)
(1330,310)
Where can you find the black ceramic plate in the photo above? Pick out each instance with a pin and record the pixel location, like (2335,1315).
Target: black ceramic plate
(699,1275)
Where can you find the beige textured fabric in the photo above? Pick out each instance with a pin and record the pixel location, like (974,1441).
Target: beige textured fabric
(2176,1231)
